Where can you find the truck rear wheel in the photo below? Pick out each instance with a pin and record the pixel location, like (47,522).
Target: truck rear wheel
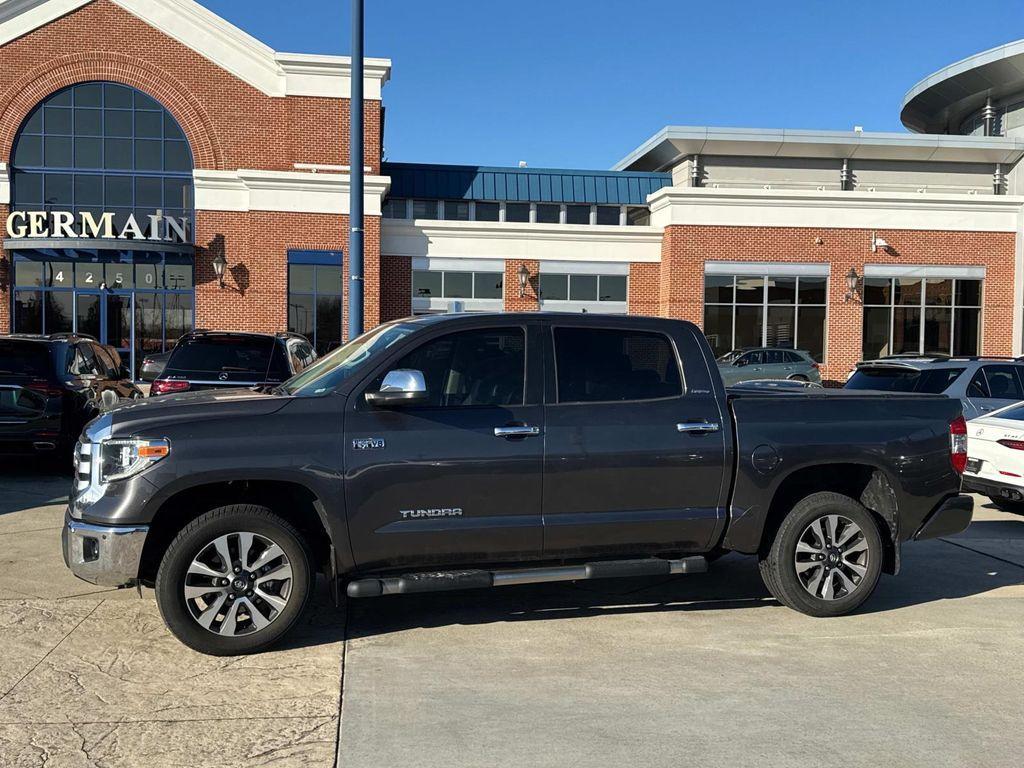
(826,557)
(235,580)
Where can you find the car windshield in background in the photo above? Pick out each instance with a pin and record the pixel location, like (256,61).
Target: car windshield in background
(899,379)
(243,354)
(24,358)
(728,357)
(329,371)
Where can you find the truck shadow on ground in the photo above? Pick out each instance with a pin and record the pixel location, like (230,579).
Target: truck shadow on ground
(932,572)
(26,483)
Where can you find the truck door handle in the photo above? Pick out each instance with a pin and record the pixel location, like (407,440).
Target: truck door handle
(523,430)
(697,426)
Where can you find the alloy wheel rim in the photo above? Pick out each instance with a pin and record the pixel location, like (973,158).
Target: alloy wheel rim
(831,557)
(238,584)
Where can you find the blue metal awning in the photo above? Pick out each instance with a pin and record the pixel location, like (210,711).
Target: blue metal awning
(534,185)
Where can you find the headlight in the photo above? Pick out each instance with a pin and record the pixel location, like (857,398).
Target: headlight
(123,458)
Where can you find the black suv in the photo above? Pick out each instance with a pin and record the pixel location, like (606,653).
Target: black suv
(51,386)
(218,359)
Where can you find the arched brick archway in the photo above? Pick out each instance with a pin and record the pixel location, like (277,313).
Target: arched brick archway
(22,96)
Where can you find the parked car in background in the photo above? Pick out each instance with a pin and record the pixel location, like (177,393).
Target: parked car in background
(468,451)
(995,457)
(221,359)
(153,366)
(768,363)
(791,384)
(982,384)
(51,386)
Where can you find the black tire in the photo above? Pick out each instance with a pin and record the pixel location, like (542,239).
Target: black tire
(196,537)
(779,567)
(1016,507)
(798,377)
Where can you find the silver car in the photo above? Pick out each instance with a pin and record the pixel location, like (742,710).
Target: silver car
(768,363)
(982,384)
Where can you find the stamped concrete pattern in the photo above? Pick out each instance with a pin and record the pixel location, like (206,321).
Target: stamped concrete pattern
(701,669)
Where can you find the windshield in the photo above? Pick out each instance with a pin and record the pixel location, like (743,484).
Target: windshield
(214,354)
(329,371)
(931,381)
(24,358)
(728,357)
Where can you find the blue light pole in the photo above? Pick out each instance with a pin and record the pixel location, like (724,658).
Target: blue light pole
(355,213)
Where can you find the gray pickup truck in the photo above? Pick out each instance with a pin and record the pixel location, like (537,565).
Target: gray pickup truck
(476,451)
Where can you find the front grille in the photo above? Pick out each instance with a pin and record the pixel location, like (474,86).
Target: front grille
(83,467)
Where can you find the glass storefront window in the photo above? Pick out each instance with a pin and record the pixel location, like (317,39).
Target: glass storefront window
(315,297)
(765,311)
(912,315)
(450,284)
(584,288)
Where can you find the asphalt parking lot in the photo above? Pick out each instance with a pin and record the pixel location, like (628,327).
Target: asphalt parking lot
(705,669)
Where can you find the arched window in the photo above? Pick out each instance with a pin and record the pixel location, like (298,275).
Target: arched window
(102,147)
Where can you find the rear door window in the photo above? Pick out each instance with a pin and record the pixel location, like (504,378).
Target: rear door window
(793,357)
(927,381)
(608,365)
(24,358)
(1003,382)
(775,357)
(223,354)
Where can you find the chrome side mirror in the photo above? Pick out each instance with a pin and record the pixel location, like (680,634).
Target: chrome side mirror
(402,386)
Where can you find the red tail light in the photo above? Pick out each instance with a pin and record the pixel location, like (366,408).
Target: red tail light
(1017,445)
(817,366)
(958,444)
(166,386)
(45,388)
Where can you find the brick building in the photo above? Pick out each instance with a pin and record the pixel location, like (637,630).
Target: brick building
(143,142)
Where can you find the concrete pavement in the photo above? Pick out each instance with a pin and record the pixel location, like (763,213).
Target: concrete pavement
(700,668)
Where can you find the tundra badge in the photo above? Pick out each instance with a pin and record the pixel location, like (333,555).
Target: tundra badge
(434,512)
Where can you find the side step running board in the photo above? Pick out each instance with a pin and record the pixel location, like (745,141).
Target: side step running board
(439,581)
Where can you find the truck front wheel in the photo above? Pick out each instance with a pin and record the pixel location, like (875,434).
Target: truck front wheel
(826,557)
(234,580)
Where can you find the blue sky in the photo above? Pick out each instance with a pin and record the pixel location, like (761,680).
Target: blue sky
(579,83)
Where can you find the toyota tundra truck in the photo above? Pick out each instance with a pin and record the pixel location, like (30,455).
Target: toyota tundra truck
(469,451)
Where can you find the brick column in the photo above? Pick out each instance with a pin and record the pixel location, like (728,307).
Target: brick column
(682,273)
(395,287)
(528,302)
(644,288)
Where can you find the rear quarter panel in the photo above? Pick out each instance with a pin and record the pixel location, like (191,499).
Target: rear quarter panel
(905,436)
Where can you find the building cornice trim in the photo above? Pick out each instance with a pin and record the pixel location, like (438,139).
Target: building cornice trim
(837,210)
(284,191)
(194,26)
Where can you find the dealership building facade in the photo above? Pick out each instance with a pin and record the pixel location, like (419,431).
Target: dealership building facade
(162,170)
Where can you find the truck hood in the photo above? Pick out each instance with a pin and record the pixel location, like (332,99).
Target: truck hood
(140,416)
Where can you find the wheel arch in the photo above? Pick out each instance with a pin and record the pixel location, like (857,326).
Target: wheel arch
(867,484)
(290,500)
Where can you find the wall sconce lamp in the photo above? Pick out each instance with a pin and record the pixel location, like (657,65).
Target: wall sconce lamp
(852,284)
(219,265)
(524,278)
(878,244)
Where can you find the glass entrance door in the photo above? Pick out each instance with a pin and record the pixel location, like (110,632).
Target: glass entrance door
(117,325)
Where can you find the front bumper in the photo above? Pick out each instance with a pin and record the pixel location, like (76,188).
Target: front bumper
(950,517)
(105,555)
